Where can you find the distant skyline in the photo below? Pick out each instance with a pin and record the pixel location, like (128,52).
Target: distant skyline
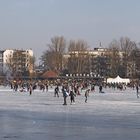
(26,24)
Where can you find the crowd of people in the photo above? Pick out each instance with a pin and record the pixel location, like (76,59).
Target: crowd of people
(68,88)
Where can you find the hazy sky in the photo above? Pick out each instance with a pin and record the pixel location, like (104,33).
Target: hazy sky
(32,23)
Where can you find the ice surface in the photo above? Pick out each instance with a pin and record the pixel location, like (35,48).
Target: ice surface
(113,115)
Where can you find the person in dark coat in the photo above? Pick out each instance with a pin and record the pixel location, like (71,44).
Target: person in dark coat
(137,89)
(86,94)
(30,89)
(100,88)
(56,91)
(72,97)
(65,95)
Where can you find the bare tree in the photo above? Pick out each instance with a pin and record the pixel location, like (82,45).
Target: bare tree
(126,46)
(53,56)
(122,56)
(114,54)
(79,57)
(134,63)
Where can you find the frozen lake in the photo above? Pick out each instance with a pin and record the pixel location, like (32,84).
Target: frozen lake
(113,115)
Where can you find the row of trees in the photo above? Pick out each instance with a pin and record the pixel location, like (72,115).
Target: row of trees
(53,57)
(125,58)
(121,58)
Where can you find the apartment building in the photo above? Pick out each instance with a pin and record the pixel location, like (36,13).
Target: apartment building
(15,61)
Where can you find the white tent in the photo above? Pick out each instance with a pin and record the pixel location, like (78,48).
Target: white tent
(118,79)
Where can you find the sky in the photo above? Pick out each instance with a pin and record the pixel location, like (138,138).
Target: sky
(30,24)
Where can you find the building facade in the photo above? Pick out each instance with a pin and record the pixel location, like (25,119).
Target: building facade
(15,62)
(90,62)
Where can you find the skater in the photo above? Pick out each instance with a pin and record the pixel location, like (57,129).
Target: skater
(86,94)
(100,89)
(137,89)
(46,85)
(15,86)
(72,95)
(92,88)
(30,89)
(56,91)
(65,95)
